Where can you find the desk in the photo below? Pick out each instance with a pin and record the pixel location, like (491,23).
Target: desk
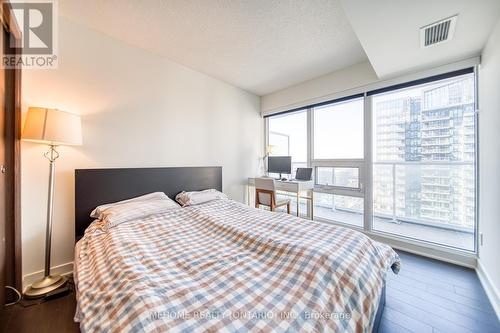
(292,186)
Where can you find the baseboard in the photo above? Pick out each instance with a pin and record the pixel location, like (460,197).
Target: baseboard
(440,253)
(64,269)
(489,288)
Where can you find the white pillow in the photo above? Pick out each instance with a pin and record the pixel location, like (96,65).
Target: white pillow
(117,214)
(151,196)
(198,197)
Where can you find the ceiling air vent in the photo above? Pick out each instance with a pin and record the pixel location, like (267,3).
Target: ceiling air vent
(438,32)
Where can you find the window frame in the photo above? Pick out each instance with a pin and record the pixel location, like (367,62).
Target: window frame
(327,186)
(340,190)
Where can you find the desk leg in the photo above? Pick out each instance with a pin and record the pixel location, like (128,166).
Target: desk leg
(312,204)
(298,199)
(250,195)
(308,198)
(308,205)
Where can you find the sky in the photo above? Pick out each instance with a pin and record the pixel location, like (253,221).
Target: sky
(338,131)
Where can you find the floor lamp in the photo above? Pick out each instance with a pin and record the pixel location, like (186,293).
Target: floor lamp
(54,128)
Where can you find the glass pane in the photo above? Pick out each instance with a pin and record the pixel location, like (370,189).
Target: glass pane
(424,169)
(288,137)
(339,208)
(334,176)
(338,130)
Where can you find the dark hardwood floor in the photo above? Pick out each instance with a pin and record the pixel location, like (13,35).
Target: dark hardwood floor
(426,296)
(432,296)
(54,316)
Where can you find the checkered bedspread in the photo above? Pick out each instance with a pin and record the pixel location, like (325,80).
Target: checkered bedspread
(226,267)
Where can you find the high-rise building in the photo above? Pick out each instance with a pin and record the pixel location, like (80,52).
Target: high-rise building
(424,155)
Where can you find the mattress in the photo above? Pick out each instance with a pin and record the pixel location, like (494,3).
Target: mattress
(226,267)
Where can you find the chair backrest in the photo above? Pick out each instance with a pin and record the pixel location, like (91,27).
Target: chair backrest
(264,184)
(267,186)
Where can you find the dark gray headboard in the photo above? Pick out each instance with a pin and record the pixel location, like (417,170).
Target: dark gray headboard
(94,187)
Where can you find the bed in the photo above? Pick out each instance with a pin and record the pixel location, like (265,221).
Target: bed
(220,266)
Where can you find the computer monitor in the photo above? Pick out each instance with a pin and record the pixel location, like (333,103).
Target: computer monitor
(279,164)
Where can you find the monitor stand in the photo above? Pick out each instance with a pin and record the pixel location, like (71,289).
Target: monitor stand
(281,177)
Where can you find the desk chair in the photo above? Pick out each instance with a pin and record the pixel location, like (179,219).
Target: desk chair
(265,194)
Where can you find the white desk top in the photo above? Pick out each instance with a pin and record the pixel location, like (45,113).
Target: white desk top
(293,185)
(284,181)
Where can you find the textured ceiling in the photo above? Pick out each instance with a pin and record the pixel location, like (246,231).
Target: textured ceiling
(389,31)
(258,45)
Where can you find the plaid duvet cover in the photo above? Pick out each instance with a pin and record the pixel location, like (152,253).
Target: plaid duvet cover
(225,267)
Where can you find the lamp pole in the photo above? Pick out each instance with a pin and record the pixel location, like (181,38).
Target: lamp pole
(49,282)
(50,155)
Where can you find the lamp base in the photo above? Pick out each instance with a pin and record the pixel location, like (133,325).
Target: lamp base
(44,286)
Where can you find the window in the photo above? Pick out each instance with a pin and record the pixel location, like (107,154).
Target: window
(288,137)
(338,130)
(421,179)
(338,176)
(338,160)
(424,162)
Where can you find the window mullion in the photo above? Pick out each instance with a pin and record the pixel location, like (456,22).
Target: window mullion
(309,137)
(368,166)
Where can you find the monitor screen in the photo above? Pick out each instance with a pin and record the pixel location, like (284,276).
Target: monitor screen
(304,173)
(279,164)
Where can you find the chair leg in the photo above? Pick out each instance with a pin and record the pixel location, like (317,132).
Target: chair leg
(288,208)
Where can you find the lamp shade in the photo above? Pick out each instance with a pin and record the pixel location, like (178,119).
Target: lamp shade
(52,126)
(270,149)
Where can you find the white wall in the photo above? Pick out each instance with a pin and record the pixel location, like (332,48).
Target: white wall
(320,88)
(489,166)
(138,110)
